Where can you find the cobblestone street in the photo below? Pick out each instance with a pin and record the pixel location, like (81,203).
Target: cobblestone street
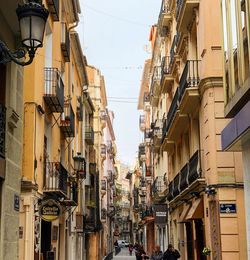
(124,255)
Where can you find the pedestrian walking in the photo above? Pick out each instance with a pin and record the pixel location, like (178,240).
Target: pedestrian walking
(141,254)
(171,253)
(130,249)
(157,254)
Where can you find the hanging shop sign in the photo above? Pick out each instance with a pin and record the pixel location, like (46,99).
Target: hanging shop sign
(50,210)
(160,214)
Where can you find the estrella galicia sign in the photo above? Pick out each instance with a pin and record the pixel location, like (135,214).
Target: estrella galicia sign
(50,210)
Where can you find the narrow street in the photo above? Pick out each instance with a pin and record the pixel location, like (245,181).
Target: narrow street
(124,255)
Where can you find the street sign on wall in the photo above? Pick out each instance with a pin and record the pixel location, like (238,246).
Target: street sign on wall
(160,214)
(228,208)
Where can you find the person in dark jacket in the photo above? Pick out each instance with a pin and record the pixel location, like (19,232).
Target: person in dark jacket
(171,253)
(141,254)
(157,254)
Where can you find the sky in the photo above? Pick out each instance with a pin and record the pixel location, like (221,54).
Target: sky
(114,35)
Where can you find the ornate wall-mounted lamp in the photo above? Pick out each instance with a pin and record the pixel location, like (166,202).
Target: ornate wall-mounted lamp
(32,18)
(80,166)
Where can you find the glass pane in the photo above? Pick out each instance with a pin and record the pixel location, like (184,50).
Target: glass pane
(225,32)
(245,39)
(234,42)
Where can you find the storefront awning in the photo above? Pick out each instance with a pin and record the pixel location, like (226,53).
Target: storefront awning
(184,213)
(196,211)
(149,219)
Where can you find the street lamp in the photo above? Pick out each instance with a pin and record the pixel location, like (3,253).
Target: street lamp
(80,166)
(32,18)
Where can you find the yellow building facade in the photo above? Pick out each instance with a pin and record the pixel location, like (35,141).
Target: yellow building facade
(58,120)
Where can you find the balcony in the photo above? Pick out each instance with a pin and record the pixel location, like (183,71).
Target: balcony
(65,43)
(2,131)
(54,90)
(148,134)
(189,97)
(67,123)
(184,13)
(72,199)
(142,123)
(157,134)
(165,17)
(79,109)
(55,179)
(103,151)
(142,152)
(89,135)
(146,101)
(176,189)
(149,171)
(155,86)
(167,145)
(103,118)
(170,195)
(166,77)
(184,177)
(188,179)
(53,6)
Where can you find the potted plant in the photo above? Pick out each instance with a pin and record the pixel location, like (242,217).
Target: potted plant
(206,251)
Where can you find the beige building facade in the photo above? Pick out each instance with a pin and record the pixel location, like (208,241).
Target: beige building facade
(202,185)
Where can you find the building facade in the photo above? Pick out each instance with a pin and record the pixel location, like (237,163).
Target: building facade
(11,92)
(235,136)
(202,185)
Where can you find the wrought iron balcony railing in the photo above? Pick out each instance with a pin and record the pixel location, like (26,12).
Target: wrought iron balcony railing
(142,122)
(89,135)
(103,151)
(172,53)
(2,130)
(53,6)
(165,66)
(190,77)
(72,199)
(54,90)
(188,174)
(142,152)
(158,185)
(172,110)
(55,179)
(68,121)
(155,80)
(183,177)
(65,43)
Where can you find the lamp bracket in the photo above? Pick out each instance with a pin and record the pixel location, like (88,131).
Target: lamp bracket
(6,55)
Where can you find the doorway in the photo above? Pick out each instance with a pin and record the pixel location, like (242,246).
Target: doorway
(199,230)
(45,238)
(190,246)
